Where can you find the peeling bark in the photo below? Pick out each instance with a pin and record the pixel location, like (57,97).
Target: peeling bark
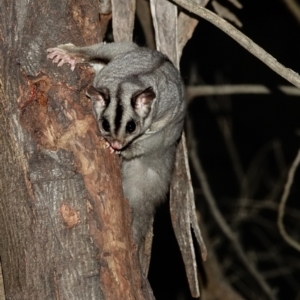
(123,19)
(64,223)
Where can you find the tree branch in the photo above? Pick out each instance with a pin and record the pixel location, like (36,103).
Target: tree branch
(225,89)
(225,13)
(294,8)
(242,39)
(193,91)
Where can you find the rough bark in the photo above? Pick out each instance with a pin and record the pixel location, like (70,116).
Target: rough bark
(123,19)
(2,296)
(64,224)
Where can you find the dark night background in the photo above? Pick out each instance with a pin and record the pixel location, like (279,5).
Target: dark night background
(256,121)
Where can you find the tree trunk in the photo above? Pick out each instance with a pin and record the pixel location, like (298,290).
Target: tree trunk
(64,225)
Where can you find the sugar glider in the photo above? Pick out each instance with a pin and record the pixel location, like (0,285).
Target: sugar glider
(138,102)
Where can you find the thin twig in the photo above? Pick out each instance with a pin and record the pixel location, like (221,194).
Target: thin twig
(294,8)
(277,258)
(225,13)
(225,127)
(222,222)
(225,89)
(231,89)
(236,3)
(289,90)
(254,176)
(242,39)
(282,204)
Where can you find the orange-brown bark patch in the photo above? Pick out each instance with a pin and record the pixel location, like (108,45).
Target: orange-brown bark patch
(69,215)
(35,90)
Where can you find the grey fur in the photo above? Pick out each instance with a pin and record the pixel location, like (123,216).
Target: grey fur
(142,86)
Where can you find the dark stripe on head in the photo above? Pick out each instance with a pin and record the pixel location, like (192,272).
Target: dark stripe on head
(104,92)
(119,111)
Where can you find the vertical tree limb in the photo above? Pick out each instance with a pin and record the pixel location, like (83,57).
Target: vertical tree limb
(64,224)
(182,206)
(123,19)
